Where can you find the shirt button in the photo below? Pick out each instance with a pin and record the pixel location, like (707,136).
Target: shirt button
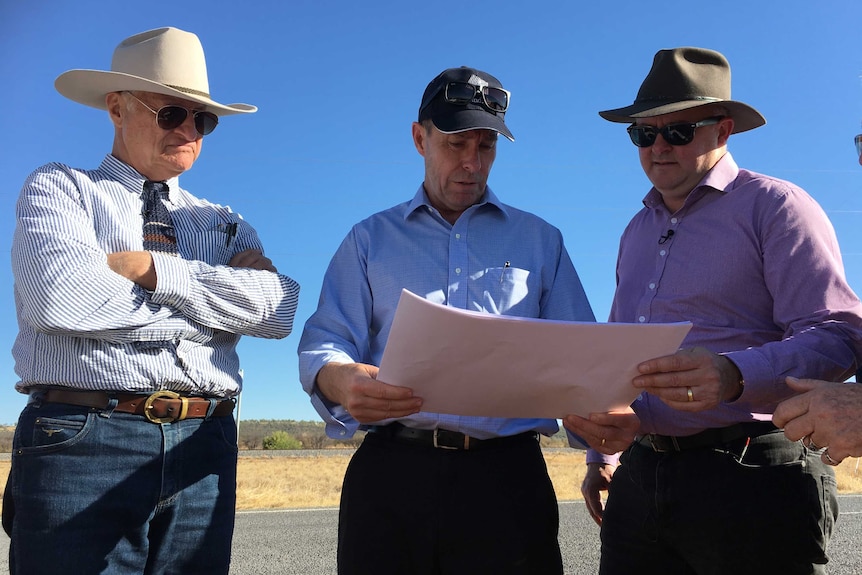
(457,270)
(651,286)
(673,220)
(641,319)
(662,253)
(457,236)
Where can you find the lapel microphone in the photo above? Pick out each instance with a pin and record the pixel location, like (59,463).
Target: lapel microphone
(665,237)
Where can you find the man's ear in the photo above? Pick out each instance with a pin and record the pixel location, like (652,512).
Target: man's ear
(419,138)
(116,107)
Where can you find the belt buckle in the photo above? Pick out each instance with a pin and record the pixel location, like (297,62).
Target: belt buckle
(655,447)
(165,394)
(438,446)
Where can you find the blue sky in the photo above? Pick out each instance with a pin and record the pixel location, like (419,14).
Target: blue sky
(338,84)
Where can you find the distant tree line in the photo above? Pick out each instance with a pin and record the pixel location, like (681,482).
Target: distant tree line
(285,434)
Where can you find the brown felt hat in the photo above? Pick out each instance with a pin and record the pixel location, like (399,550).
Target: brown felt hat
(684,78)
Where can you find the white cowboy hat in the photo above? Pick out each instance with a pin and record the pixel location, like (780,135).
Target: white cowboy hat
(164,61)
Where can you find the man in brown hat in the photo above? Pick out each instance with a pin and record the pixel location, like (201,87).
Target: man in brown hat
(131,296)
(711,485)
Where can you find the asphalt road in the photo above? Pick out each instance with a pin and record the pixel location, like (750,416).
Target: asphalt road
(302,542)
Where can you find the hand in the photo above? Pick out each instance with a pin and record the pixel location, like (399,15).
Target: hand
(253,259)
(597,479)
(355,387)
(825,415)
(607,433)
(691,379)
(134,266)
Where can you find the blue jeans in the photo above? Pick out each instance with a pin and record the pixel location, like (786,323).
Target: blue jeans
(768,507)
(106,492)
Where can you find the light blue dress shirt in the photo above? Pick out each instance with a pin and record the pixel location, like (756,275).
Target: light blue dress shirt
(494,259)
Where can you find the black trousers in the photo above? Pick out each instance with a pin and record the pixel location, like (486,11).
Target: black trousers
(764,508)
(408,509)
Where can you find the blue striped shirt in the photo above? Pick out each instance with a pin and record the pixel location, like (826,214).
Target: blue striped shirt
(83,326)
(494,259)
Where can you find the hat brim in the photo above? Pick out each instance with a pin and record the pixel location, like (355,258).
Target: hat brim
(744,116)
(469,119)
(89,87)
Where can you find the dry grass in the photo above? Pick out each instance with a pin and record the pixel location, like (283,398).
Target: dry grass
(286,482)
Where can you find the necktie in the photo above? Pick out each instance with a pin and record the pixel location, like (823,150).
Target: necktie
(159,235)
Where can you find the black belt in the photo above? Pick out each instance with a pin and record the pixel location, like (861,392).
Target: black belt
(445,439)
(706,438)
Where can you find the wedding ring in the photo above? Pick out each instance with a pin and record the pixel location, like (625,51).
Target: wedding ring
(603,442)
(829,460)
(690,395)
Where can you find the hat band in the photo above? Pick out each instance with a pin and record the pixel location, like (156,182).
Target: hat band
(190,91)
(676,99)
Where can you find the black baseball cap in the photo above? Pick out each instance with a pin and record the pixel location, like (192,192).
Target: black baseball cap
(451,118)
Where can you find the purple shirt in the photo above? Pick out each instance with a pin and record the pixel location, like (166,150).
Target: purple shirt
(754,264)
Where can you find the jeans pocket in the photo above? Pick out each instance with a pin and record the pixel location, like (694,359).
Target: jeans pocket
(52,434)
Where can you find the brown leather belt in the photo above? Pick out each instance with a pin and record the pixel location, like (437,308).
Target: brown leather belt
(158,407)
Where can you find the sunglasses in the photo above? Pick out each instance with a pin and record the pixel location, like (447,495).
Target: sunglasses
(859,145)
(170,117)
(462,93)
(678,134)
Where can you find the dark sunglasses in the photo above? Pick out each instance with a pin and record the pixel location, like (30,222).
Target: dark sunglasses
(170,117)
(674,134)
(859,145)
(462,93)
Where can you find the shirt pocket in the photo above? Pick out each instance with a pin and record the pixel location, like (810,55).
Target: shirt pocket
(504,290)
(215,247)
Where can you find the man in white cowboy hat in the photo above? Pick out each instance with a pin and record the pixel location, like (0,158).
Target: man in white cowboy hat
(131,296)
(431,492)
(711,485)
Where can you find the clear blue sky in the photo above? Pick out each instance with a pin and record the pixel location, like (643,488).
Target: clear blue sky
(339,82)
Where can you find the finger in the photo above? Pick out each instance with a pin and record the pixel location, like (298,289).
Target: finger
(683,360)
(797,428)
(832,459)
(594,506)
(790,410)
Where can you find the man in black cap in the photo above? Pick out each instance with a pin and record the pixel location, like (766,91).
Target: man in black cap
(710,485)
(429,492)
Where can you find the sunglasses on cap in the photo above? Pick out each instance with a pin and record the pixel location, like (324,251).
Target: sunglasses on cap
(462,93)
(678,134)
(170,117)
(859,145)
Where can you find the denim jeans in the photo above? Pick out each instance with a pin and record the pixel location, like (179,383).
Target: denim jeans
(107,492)
(759,508)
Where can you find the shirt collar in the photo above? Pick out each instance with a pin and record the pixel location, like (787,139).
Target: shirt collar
(131,179)
(720,178)
(420,200)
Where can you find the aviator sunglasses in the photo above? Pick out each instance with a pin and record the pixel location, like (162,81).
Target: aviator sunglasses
(678,134)
(170,117)
(495,99)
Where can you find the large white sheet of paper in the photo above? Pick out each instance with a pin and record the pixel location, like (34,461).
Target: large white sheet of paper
(469,363)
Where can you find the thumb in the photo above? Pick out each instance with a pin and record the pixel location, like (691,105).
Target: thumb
(802,385)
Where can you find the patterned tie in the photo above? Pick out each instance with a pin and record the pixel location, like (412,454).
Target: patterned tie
(159,235)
